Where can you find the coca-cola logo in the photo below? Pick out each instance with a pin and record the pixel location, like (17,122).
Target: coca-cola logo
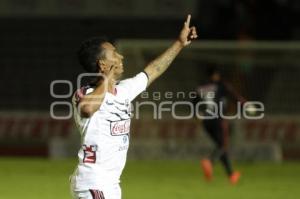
(120,127)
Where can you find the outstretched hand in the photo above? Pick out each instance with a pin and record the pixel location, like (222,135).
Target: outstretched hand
(187,33)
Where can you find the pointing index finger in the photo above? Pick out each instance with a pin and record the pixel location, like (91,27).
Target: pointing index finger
(188,19)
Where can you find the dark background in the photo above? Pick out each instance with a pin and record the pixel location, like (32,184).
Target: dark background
(37,47)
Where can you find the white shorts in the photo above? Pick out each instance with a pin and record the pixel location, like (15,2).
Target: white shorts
(109,192)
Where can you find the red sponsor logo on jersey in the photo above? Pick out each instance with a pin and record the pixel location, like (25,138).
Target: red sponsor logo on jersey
(121,127)
(89,153)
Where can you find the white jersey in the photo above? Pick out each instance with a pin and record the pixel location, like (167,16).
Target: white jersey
(105,135)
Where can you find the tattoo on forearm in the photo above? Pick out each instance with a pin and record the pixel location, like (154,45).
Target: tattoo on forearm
(160,64)
(158,68)
(164,61)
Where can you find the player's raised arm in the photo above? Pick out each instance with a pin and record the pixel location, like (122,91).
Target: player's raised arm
(159,65)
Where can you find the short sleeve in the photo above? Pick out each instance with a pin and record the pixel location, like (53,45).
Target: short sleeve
(135,85)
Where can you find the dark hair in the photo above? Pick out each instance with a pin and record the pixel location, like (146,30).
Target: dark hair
(90,52)
(212,70)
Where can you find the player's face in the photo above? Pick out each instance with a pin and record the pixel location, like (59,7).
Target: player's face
(112,59)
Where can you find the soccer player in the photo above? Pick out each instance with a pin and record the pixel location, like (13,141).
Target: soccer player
(216,93)
(102,113)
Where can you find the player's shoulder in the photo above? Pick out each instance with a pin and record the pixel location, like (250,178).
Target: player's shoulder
(124,86)
(135,79)
(125,82)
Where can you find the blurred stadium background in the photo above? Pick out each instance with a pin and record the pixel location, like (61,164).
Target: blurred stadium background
(254,43)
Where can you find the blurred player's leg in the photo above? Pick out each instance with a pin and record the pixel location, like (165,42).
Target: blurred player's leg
(218,132)
(207,169)
(234,176)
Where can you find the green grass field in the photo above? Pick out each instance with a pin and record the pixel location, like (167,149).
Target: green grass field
(48,179)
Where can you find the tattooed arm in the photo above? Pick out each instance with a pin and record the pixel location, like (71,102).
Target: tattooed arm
(159,65)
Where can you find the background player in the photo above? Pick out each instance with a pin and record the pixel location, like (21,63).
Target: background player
(102,114)
(216,91)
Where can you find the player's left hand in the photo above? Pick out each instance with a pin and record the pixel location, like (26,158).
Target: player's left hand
(187,33)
